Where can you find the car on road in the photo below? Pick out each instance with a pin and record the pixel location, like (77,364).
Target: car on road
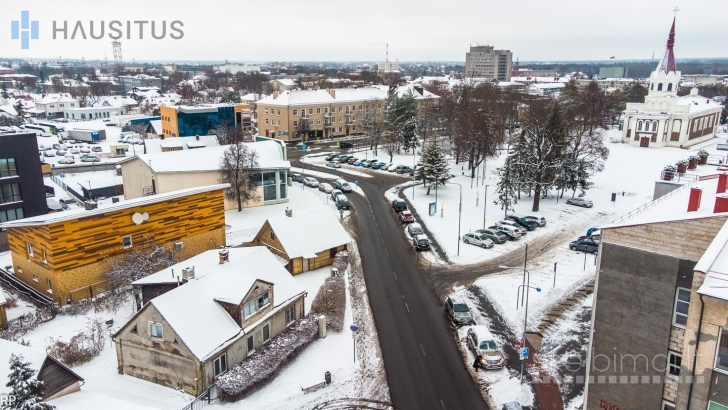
(342,202)
(482,344)
(585,245)
(333,164)
(406,217)
(297,177)
(478,239)
(458,310)
(494,235)
(311,182)
(334,193)
(399,205)
(345,144)
(415,229)
(513,224)
(526,223)
(331,157)
(67,160)
(583,202)
(421,243)
(48,154)
(325,187)
(352,161)
(540,220)
(511,232)
(90,158)
(342,185)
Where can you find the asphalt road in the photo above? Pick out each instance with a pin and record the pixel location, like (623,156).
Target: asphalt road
(424,367)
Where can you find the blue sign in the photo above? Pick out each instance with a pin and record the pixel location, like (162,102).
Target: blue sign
(433,208)
(356,182)
(524,353)
(53,165)
(24,30)
(354,328)
(303,147)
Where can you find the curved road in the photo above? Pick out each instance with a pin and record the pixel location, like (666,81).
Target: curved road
(425,370)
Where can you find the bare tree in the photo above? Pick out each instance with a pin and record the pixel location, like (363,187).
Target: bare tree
(373,125)
(238,166)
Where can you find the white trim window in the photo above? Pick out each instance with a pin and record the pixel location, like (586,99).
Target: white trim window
(682,305)
(666,405)
(266,332)
(263,300)
(721,354)
(290,315)
(219,365)
(155,331)
(674,360)
(251,344)
(126,241)
(30,249)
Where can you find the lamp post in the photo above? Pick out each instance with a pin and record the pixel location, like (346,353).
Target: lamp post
(525,321)
(460,213)
(485,204)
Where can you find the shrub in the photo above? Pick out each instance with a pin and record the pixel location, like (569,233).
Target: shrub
(702,153)
(669,168)
(682,162)
(82,347)
(11,303)
(694,158)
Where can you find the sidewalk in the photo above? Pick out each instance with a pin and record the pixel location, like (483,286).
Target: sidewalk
(548,395)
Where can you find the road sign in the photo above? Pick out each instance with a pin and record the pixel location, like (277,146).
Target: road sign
(433,208)
(354,328)
(356,182)
(524,353)
(303,147)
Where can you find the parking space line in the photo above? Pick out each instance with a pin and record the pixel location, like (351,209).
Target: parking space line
(407,306)
(423,350)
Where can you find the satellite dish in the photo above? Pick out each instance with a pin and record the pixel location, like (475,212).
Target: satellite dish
(145,216)
(137,218)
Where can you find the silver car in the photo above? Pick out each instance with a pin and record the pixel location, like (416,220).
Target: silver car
(583,202)
(478,239)
(311,182)
(514,225)
(483,346)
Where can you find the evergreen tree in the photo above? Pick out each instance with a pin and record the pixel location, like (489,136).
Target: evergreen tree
(507,185)
(407,133)
(25,387)
(433,167)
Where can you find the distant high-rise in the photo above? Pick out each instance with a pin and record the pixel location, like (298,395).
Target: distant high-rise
(484,61)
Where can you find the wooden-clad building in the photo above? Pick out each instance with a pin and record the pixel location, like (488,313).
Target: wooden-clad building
(3,314)
(65,254)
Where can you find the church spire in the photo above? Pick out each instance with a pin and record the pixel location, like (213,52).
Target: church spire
(667,64)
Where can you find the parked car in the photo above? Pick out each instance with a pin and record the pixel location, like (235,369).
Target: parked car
(61,153)
(342,202)
(331,157)
(334,193)
(85,150)
(333,164)
(67,160)
(56,146)
(98,149)
(540,220)
(311,182)
(297,177)
(585,245)
(342,185)
(583,202)
(377,165)
(90,158)
(458,310)
(325,187)
(421,243)
(392,168)
(483,346)
(399,205)
(75,151)
(415,229)
(478,239)
(48,154)
(511,232)
(496,236)
(402,169)
(53,205)
(385,166)
(343,158)
(513,224)
(526,223)
(406,217)
(352,161)
(345,144)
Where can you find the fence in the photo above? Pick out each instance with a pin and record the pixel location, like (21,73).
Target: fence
(10,281)
(68,189)
(207,397)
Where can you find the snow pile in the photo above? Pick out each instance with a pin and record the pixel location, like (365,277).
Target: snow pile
(265,363)
(509,390)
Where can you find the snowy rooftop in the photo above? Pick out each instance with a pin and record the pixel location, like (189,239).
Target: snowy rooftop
(104,208)
(306,233)
(204,326)
(93,180)
(698,103)
(674,205)
(155,145)
(714,263)
(269,156)
(30,355)
(342,95)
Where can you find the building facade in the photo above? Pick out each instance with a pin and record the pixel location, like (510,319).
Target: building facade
(92,113)
(188,121)
(22,193)
(64,255)
(129,82)
(485,61)
(665,119)
(328,113)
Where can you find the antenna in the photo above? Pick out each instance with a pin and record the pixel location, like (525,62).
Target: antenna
(386,55)
(117,52)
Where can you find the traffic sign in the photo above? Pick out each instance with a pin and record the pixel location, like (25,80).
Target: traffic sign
(524,353)
(354,328)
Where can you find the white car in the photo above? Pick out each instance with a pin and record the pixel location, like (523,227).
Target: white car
(333,164)
(327,188)
(478,239)
(311,182)
(335,193)
(67,160)
(514,225)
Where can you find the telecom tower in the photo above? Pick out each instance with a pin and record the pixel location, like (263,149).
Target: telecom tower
(117,51)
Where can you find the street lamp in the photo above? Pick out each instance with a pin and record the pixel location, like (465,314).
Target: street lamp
(485,204)
(460,213)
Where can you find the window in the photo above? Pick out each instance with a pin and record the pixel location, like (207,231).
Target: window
(220,365)
(695,125)
(295,123)
(659,87)
(35,278)
(326,110)
(126,241)
(639,125)
(251,345)
(263,300)
(674,360)
(710,122)
(45,258)
(682,304)
(295,113)
(30,249)
(279,112)
(266,111)
(155,330)
(310,122)
(340,108)
(249,309)
(266,332)
(341,119)
(50,288)
(279,123)
(290,315)
(669,87)
(272,235)
(318,110)
(666,405)
(310,111)
(7,168)
(10,193)
(266,121)
(318,122)
(654,126)
(721,356)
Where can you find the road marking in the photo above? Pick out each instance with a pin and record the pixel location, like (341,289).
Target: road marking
(385,250)
(423,350)
(443,404)
(407,306)
(395,275)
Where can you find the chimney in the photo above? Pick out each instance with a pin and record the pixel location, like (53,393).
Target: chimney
(275,94)
(191,272)
(184,275)
(721,204)
(224,256)
(694,201)
(694,91)
(197,137)
(332,92)
(289,212)
(722,182)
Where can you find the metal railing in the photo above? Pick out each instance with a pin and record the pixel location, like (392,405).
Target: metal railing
(652,203)
(678,176)
(9,280)
(201,401)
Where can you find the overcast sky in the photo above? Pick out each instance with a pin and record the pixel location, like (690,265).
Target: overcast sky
(345,30)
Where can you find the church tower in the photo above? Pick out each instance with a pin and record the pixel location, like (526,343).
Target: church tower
(665,79)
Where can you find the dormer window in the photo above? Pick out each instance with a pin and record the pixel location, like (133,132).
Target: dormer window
(659,87)
(256,304)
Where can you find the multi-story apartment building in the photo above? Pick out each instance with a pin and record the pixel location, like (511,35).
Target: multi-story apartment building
(22,193)
(329,113)
(484,61)
(140,80)
(188,121)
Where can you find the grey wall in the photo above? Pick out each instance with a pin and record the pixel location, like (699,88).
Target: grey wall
(662,188)
(633,316)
